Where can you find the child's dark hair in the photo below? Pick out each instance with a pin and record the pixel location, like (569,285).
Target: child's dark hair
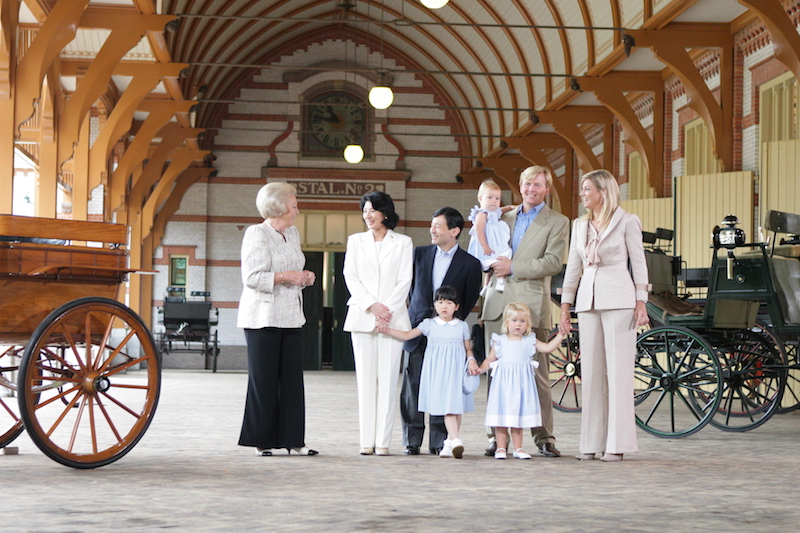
(446,292)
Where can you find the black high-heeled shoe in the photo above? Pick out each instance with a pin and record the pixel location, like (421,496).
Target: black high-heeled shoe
(305,450)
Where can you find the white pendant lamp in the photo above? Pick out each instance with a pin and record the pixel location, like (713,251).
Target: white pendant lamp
(353,153)
(381,96)
(434,4)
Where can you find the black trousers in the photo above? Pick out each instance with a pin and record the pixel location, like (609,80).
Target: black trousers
(275,411)
(413,419)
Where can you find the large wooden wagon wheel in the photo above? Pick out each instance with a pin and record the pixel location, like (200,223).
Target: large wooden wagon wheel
(10,421)
(89,382)
(565,372)
(754,378)
(677,382)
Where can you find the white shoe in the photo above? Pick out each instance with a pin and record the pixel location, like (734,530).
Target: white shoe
(500,453)
(500,286)
(519,453)
(447,449)
(458,448)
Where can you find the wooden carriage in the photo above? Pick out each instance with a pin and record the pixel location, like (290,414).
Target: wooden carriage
(78,369)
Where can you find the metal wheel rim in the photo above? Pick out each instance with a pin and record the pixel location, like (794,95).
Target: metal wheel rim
(671,364)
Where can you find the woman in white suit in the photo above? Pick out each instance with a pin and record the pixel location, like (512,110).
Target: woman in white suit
(378,268)
(271,313)
(610,303)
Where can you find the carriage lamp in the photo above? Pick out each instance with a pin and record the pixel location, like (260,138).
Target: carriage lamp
(728,236)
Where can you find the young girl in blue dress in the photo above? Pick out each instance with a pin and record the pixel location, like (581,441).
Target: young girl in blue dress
(513,400)
(440,385)
(490,237)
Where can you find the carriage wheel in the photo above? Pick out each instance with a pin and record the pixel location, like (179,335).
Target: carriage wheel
(672,364)
(10,422)
(791,393)
(89,382)
(565,372)
(786,342)
(754,377)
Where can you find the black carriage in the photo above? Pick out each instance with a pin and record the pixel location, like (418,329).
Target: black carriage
(189,325)
(722,359)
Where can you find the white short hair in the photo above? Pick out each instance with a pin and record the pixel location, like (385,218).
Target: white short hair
(272,199)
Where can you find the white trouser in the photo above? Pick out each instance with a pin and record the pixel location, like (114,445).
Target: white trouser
(608,351)
(377,359)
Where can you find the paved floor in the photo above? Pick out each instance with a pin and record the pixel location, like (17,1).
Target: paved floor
(187,474)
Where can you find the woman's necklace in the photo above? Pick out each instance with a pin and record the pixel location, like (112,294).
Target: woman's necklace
(279,232)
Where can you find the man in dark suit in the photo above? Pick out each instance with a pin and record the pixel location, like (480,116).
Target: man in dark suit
(441,263)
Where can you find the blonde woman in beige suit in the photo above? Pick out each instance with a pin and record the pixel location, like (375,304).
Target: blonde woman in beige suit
(610,303)
(378,267)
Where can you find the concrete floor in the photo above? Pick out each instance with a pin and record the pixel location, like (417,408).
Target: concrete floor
(188,474)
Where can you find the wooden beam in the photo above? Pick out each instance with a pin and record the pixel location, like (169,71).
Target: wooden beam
(121,118)
(57,31)
(785,39)
(670,46)
(611,91)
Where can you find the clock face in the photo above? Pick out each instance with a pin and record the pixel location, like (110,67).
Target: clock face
(336,120)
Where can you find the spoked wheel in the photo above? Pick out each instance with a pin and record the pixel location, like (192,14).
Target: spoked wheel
(791,393)
(754,377)
(89,382)
(673,364)
(787,342)
(10,421)
(565,372)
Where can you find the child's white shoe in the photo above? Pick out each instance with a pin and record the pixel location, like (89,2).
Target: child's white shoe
(500,453)
(500,286)
(447,449)
(457,448)
(519,453)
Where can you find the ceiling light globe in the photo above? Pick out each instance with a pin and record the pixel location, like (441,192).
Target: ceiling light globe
(353,153)
(381,97)
(434,4)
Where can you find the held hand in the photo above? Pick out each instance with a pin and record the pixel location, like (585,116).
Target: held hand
(382,327)
(565,325)
(502,267)
(640,313)
(474,370)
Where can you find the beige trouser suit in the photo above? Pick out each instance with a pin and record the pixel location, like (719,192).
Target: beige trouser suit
(598,282)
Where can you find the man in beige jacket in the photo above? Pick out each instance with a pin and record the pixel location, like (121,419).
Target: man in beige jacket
(539,242)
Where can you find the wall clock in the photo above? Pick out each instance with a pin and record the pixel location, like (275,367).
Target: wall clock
(335,120)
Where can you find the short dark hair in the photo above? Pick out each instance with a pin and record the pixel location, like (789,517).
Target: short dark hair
(453,217)
(446,292)
(382,202)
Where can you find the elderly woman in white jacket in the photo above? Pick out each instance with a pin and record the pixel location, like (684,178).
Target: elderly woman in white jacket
(271,313)
(610,303)
(378,268)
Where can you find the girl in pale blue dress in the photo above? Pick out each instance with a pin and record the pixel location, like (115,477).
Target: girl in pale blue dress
(446,355)
(513,400)
(490,237)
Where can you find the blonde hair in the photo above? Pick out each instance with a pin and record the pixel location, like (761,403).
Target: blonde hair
(608,187)
(488,185)
(515,308)
(272,199)
(530,173)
